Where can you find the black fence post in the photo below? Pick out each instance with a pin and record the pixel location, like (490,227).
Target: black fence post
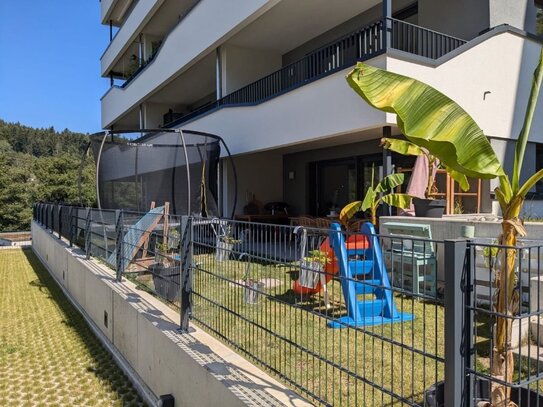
(60,221)
(119,261)
(456,325)
(88,234)
(71,227)
(51,218)
(186,272)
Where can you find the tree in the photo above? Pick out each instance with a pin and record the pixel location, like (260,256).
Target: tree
(40,165)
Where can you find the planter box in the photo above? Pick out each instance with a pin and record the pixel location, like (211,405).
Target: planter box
(310,273)
(166,281)
(224,249)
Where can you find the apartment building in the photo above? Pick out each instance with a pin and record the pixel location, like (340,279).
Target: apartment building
(269,77)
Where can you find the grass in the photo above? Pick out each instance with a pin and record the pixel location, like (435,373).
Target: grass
(48,354)
(289,335)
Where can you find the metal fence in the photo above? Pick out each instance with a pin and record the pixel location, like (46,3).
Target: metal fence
(276,294)
(145,252)
(390,319)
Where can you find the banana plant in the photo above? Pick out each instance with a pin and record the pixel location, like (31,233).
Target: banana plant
(433,121)
(375,195)
(405,147)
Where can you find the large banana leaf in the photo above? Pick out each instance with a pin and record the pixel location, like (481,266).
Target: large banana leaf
(402,147)
(402,201)
(350,210)
(390,182)
(429,119)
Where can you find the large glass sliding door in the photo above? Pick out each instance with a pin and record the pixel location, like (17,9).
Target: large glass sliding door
(335,183)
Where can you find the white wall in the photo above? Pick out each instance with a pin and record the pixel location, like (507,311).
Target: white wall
(208,24)
(320,109)
(502,65)
(519,13)
(259,174)
(140,15)
(241,66)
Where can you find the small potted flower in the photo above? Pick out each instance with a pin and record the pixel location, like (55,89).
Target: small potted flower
(312,268)
(225,244)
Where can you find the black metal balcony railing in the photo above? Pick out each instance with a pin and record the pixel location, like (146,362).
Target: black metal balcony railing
(361,45)
(421,41)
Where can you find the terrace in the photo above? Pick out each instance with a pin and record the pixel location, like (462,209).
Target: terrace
(242,283)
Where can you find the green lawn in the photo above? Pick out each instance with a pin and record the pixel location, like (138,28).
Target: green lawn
(48,354)
(374,354)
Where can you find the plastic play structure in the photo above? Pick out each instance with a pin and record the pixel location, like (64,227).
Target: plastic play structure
(137,235)
(367,263)
(359,261)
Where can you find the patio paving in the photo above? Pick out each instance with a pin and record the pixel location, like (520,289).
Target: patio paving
(48,354)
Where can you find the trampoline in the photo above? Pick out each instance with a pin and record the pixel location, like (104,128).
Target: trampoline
(176,166)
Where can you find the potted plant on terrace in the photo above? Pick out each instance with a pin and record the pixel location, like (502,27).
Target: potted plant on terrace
(312,268)
(225,245)
(433,121)
(253,287)
(428,206)
(375,195)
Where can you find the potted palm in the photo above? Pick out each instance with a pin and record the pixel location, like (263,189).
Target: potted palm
(375,195)
(461,146)
(428,206)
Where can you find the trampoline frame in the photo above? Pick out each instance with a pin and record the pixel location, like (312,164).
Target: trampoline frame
(105,133)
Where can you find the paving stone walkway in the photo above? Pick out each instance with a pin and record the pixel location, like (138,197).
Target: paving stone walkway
(48,354)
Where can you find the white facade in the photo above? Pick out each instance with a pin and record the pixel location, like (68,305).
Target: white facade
(224,67)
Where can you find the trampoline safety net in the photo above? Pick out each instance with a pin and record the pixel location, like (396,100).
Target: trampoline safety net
(133,173)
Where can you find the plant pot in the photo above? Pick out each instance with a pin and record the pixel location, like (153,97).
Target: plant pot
(166,281)
(224,249)
(310,273)
(429,208)
(252,291)
(435,395)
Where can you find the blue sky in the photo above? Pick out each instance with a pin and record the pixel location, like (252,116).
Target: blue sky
(50,63)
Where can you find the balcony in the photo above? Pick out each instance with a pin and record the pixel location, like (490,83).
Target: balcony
(125,37)
(114,11)
(361,45)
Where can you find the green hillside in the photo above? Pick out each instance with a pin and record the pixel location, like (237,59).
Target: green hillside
(40,165)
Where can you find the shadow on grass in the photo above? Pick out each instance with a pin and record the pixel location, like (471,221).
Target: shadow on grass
(102,365)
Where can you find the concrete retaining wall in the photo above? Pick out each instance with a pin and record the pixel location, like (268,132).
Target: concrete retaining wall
(194,367)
